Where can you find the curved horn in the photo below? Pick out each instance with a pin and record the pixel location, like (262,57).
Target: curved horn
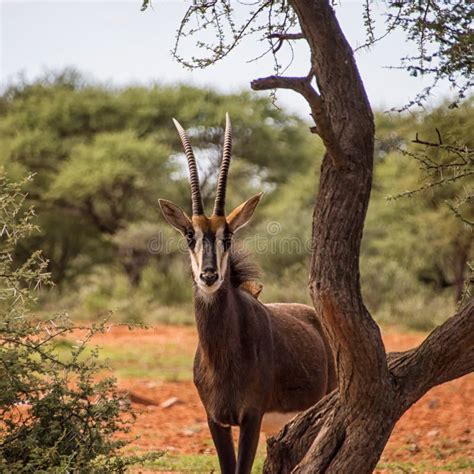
(224,171)
(197,206)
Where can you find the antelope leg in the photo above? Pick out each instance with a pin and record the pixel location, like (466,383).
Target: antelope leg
(222,437)
(248,442)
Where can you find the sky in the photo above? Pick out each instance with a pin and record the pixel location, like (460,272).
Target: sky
(116,43)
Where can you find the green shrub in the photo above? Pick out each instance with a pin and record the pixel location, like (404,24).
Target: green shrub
(57,415)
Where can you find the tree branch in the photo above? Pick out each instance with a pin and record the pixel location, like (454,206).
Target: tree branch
(303,86)
(446,354)
(286,36)
(454,149)
(298,84)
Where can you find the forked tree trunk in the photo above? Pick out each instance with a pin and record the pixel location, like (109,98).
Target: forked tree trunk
(347,430)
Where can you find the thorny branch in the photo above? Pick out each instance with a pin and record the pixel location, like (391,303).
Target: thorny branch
(433,184)
(462,151)
(459,160)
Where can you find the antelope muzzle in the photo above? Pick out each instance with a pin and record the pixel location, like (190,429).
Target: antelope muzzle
(209,276)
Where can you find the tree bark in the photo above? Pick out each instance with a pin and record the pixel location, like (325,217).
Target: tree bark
(348,429)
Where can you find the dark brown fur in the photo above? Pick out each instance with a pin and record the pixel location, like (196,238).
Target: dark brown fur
(255,358)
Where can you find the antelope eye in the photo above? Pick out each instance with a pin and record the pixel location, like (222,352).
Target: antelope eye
(190,239)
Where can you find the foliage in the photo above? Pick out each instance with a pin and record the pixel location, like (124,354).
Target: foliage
(56,415)
(102,157)
(98,177)
(443,151)
(431,259)
(264,19)
(417,247)
(442,32)
(446,161)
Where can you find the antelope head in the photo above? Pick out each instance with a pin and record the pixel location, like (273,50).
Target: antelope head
(209,238)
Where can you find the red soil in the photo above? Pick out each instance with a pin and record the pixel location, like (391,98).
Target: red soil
(438,428)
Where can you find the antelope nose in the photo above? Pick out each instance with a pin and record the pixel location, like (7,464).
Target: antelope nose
(209,276)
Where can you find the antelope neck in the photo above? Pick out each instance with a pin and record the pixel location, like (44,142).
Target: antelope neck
(217,322)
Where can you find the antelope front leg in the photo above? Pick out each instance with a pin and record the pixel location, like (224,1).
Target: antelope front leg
(248,442)
(222,437)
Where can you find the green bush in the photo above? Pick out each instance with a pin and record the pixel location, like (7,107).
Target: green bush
(57,415)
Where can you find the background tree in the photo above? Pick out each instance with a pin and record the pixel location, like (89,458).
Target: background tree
(443,149)
(346,431)
(108,249)
(101,158)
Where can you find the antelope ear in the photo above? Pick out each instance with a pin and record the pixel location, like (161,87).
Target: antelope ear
(175,216)
(242,214)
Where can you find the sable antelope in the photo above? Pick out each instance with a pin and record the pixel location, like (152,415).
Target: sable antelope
(255,364)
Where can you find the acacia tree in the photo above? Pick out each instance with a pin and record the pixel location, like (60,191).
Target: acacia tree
(348,429)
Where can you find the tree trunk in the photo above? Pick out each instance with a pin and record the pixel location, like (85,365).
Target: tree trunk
(347,430)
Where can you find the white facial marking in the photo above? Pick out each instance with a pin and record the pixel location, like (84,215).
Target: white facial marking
(196,255)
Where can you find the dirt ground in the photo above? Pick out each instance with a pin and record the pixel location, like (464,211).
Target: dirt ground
(439,428)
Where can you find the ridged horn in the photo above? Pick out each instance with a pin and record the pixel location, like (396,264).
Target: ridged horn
(219,203)
(196,199)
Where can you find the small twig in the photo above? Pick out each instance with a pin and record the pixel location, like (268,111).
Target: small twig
(418,141)
(428,164)
(431,185)
(455,210)
(388,31)
(286,36)
(450,148)
(281,37)
(35,348)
